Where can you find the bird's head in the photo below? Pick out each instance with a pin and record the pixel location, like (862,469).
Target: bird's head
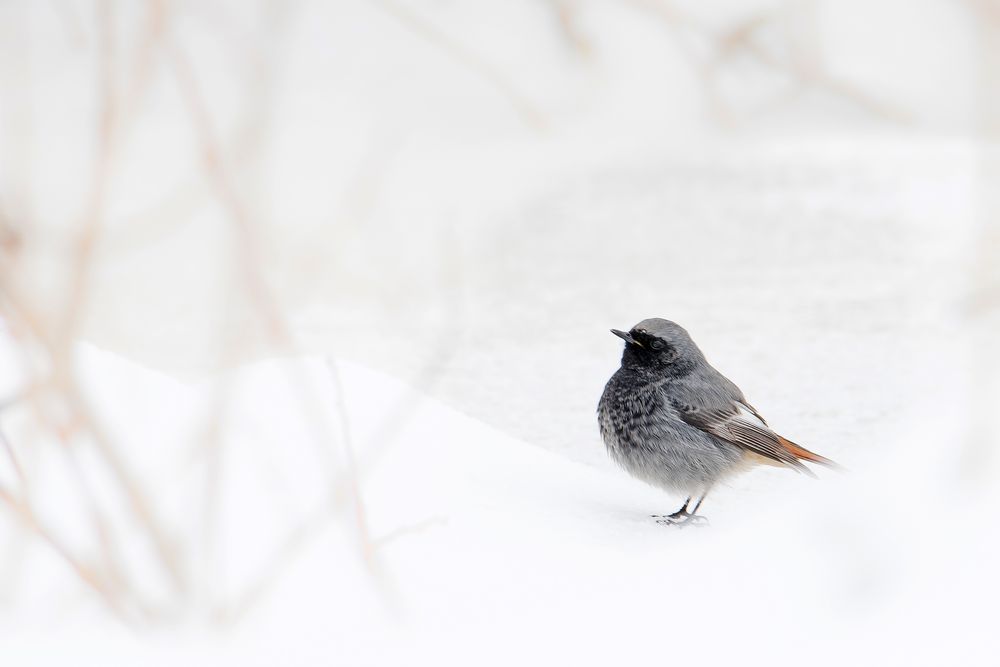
(659,345)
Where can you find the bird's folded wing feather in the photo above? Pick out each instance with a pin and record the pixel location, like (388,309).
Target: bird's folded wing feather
(741,426)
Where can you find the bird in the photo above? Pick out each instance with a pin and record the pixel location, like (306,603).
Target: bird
(673,421)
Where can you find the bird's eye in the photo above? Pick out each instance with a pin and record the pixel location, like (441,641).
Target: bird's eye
(657,344)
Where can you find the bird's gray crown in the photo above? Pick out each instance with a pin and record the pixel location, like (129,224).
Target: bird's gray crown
(661,328)
(674,335)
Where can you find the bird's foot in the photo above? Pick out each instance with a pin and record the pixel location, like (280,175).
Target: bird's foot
(681,518)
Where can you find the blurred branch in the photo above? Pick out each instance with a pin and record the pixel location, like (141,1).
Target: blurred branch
(805,71)
(9,451)
(79,280)
(58,341)
(71,21)
(213,163)
(84,572)
(265,304)
(83,259)
(412,529)
(567,14)
(986,10)
(234,609)
(418,25)
(353,479)
(143,509)
(741,41)
(982,309)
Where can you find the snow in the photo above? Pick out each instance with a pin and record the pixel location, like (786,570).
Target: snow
(490,550)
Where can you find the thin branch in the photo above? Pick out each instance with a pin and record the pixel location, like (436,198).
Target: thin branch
(525,108)
(411,529)
(353,481)
(267,306)
(139,504)
(84,572)
(215,169)
(739,41)
(268,575)
(79,279)
(567,14)
(9,450)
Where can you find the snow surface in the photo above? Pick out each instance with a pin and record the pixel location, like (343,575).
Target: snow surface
(491,551)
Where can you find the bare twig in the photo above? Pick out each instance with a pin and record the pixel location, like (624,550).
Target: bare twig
(983,302)
(58,341)
(297,539)
(567,15)
(353,481)
(526,109)
(213,163)
(71,21)
(410,529)
(15,464)
(80,273)
(740,41)
(84,572)
(248,255)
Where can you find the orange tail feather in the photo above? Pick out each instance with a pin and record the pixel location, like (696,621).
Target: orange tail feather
(804,454)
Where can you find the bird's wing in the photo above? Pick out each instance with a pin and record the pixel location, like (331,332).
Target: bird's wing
(743,404)
(740,425)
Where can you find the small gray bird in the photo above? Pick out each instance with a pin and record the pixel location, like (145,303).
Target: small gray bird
(673,421)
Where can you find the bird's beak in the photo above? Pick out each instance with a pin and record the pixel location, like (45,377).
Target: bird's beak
(627,337)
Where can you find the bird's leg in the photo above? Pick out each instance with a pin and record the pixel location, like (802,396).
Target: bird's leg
(676,515)
(694,517)
(683,517)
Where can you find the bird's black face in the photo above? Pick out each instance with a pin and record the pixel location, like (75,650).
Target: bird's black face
(643,349)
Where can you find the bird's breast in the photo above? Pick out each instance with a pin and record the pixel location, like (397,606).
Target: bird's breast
(631,415)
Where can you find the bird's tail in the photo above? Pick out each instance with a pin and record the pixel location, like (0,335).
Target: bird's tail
(803,454)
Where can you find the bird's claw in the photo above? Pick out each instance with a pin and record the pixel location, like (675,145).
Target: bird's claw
(681,519)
